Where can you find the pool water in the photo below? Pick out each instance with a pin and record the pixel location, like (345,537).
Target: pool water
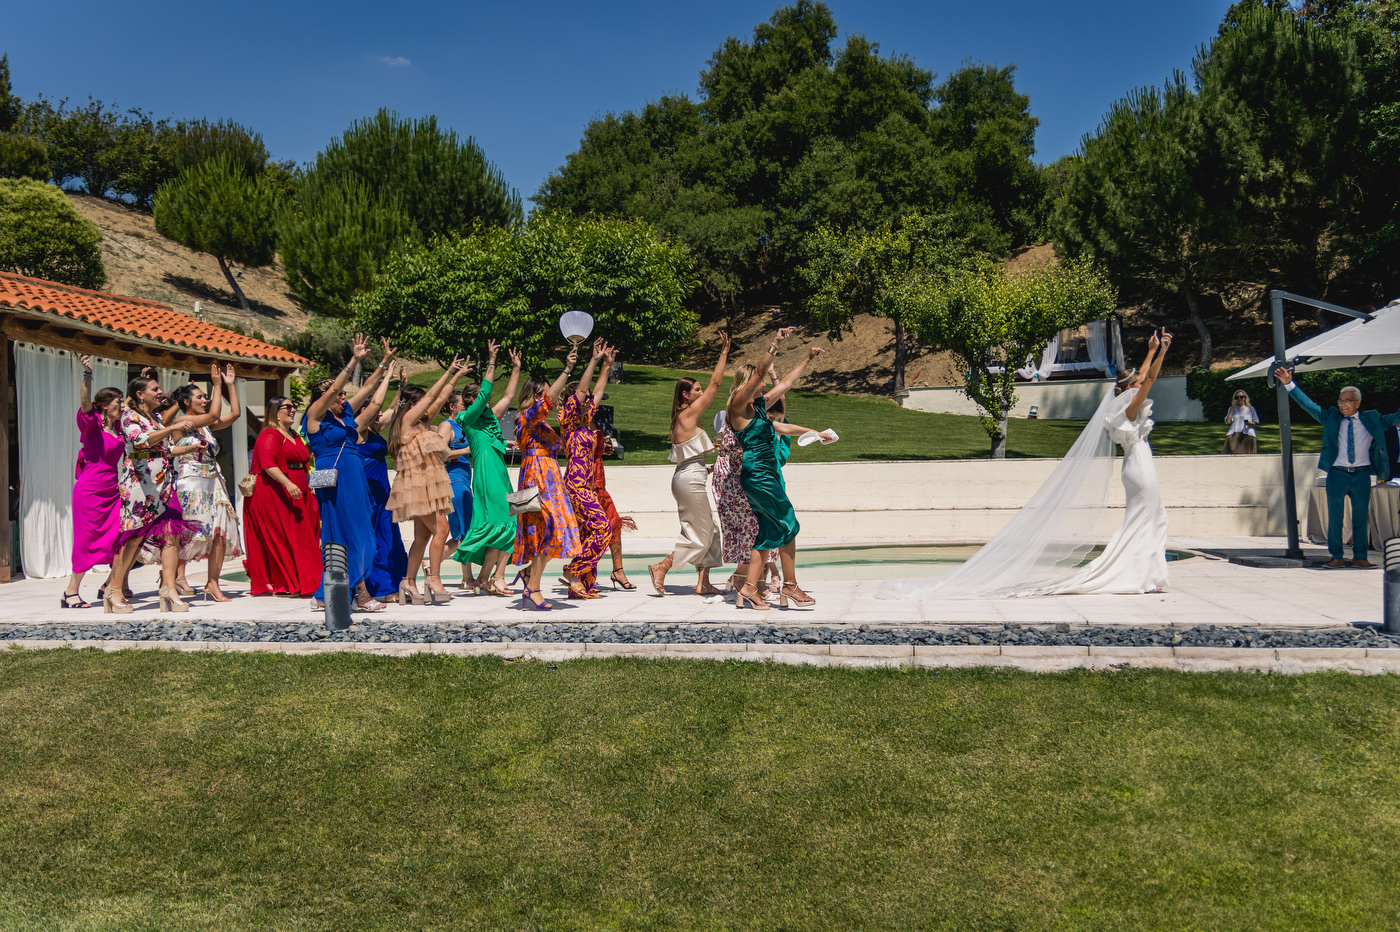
(856,562)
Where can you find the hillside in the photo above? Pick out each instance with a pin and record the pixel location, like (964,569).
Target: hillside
(143,264)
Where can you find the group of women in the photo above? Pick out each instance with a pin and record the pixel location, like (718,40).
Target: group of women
(757,527)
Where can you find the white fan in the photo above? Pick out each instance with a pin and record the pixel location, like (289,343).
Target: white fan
(576,326)
(811,437)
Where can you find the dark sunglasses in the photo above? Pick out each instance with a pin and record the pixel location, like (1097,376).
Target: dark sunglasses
(286,406)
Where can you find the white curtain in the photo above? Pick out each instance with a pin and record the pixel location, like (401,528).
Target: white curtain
(240,445)
(1047,361)
(171,379)
(47,386)
(1118,363)
(1096,334)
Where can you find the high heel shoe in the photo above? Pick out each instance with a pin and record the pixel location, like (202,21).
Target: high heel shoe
(791,591)
(748,593)
(111,606)
(576,590)
(170,600)
(72,600)
(518,576)
(530,604)
(438,594)
(409,594)
(183,588)
(623,582)
(658,572)
(213,596)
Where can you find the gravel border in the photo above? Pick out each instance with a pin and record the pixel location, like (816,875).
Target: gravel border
(1009,635)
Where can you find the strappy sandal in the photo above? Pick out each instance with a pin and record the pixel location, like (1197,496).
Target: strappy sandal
(623,582)
(67,600)
(658,572)
(438,594)
(372,605)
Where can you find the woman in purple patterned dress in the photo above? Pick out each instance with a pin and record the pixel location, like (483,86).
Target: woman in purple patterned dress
(581,478)
(552,532)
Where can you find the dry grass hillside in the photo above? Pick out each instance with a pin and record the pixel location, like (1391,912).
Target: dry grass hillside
(143,264)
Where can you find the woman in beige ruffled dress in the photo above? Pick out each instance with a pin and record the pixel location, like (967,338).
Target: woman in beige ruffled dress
(422,491)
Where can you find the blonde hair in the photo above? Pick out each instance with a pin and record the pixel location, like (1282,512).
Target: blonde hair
(741,378)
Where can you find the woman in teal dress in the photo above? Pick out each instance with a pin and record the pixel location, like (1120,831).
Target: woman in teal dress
(763,485)
(490,538)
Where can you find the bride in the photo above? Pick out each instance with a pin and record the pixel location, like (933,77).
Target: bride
(1038,551)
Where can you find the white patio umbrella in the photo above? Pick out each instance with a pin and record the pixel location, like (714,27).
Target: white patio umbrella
(1354,344)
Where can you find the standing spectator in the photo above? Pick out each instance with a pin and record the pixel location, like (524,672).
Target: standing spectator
(281,519)
(96,503)
(1243,419)
(1353,449)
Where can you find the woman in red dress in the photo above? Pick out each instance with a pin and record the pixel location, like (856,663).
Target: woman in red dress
(281,521)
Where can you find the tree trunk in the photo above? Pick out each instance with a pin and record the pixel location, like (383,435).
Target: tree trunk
(1199,321)
(999,438)
(233,283)
(900,356)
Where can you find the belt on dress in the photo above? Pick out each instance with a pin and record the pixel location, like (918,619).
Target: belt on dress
(296,465)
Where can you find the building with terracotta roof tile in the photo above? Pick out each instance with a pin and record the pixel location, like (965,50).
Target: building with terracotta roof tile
(46,326)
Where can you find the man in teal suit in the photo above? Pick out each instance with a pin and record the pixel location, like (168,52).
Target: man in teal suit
(1353,450)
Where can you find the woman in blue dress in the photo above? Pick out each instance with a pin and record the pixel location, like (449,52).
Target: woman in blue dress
(763,485)
(333,436)
(459,470)
(390,557)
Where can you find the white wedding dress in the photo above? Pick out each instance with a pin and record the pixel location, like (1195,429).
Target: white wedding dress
(1040,549)
(1135,559)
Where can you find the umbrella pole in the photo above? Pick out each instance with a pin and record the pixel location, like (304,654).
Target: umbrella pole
(1285,432)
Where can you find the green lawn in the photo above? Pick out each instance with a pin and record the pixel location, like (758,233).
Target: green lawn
(181,791)
(878,429)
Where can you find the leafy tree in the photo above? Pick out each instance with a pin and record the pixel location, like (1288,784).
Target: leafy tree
(82,145)
(214,208)
(437,182)
(992,319)
(142,148)
(334,239)
(41,235)
(513,284)
(1285,94)
(869,271)
(791,135)
(200,140)
(11,107)
(1151,201)
(23,156)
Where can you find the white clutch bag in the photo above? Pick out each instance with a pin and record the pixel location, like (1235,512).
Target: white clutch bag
(827,436)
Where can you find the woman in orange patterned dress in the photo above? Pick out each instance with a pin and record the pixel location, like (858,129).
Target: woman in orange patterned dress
(552,532)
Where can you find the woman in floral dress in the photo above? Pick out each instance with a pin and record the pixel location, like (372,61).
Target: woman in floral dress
(153,529)
(552,532)
(580,479)
(737,525)
(199,483)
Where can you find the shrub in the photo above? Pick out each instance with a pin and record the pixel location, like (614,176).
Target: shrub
(23,156)
(43,236)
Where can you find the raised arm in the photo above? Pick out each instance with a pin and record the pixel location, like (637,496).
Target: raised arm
(318,408)
(609,354)
(1151,366)
(231,386)
(750,389)
(386,415)
(600,349)
(371,385)
(85,393)
(469,415)
(557,388)
(376,405)
(432,398)
(789,380)
(502,406)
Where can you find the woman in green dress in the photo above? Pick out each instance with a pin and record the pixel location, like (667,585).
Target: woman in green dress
(491,537)
(747,414)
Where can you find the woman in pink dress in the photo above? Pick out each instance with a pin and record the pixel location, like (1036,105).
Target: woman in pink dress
(552,532)
(96,504)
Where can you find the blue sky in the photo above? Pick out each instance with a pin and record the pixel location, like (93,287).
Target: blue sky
(524,79)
